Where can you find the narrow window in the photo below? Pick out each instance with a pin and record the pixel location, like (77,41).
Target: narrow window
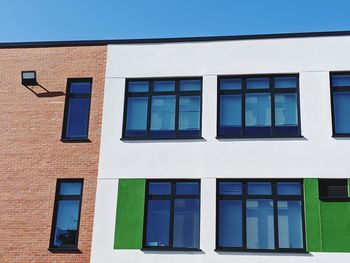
(340,91)
(66,215)
(258,106)
(163,108)
(333,189)
(77,109)
(172,214)
(260,215)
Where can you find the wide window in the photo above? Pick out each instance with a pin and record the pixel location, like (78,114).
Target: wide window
(258,106)
(340,90)
(66,216)
(255,215)
(163,108)
(77,109)
(333,189)
(172,214)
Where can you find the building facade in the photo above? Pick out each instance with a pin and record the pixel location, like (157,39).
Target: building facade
(50,140)
(225,150)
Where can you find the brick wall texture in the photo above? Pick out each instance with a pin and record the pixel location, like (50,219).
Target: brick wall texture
(32,157)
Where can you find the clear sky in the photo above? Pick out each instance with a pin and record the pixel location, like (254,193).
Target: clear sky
(46,20)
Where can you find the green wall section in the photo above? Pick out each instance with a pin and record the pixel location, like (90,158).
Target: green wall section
(327,223)
(130,213)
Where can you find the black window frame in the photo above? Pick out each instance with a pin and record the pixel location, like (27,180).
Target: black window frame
(172,198)
(274,197)
(58,198)
(337,89)
(149,94)
(323,193)
(69,95)
(271,90)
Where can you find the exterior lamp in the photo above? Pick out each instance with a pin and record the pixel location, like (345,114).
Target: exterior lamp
(29,78)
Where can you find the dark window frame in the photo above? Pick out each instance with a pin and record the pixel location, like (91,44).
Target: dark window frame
(64,138)
(322,188)
(271,90)
(58,198)
(170,197)
(337,89)
(149,94)
(274,197)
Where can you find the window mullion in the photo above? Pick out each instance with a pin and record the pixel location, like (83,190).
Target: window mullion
(275,215)
(172,214)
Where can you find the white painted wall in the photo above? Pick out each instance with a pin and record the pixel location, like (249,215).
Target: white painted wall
(315,155)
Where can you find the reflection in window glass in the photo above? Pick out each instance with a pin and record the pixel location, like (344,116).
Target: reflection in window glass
(138,86)
(158,220)
(341,80)
(189,113)
(259,188)
(70,188)
(186,223)
(163,113)
(187,188)
(159,188)
(341,109)
(230,84)
(190,85)
(288,188)
(230,112)
(136,119)
(260,224)
(258,83)
(164,85)
(230,188)
(290,230)
(286,112)
(285,82)
(230,223)
(258,110)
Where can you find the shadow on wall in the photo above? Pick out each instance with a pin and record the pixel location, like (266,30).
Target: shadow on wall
(43,92)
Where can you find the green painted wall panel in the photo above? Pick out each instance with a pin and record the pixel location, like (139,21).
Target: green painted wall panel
(312,215)
(130,213)
(327,223)
(335,221)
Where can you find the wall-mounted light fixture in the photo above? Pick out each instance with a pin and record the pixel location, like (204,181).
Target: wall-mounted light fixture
(29,78)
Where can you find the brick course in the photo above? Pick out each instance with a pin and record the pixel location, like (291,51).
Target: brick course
(32,156)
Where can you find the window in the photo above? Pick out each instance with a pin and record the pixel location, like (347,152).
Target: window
(340,93)
(163,108)
(172,214)
(66,215)
(333,189)
(77,109)
(258,106)
(256,215)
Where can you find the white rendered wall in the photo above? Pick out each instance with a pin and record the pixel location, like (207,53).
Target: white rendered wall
(316,155)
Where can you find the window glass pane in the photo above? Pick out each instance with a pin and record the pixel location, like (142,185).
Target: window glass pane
(187,188)
(158,219)
(189,113)
(286,109)
(259,188)
(258,83)
(285,82)
(136,119)
(138,86)
(289,188)
(258,110)
(164,85)
(190,85)
(230,223)
(340,80)
(70,188)
(66,223)
(290,232)
(77,117)
(341,101)
(230,188)
(163,113)
(260,224)
(80,87)
(230,110)
(186,223)
(159,188)
(230,84)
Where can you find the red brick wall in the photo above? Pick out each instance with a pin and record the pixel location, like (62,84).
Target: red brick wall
(32,156)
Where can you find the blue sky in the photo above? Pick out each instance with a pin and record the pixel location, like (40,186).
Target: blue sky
(44,20)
